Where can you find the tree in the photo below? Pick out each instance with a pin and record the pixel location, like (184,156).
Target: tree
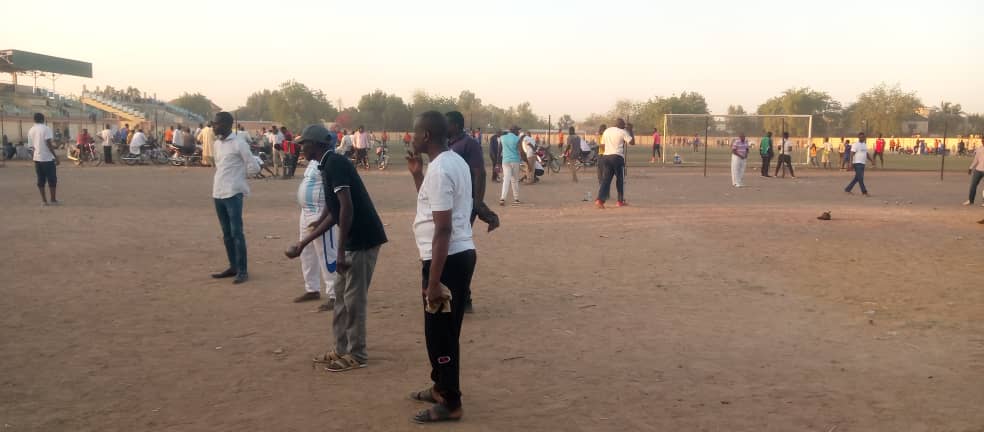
(564,122)
(739,125)
(649,114)
(975,124)
(802,101)
(196,103)
(948,118)
(293,105)
(882,110)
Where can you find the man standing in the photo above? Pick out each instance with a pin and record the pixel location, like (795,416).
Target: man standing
(360,235)
(657,147)
(614,140)
(277,139)
(107,144)
(495,155)
(471,151)
(827,149)
(739,157)
(785,157)
(860,156)
(976,172)
(406,140)
(39,139)
(169,135)
(122,136)
(529,149)
(696,143)
(317,263)
(765,150)
(447,252)
(879,152)
(573,150)
(511,157)
(360,141)
(233,164)
(206,136)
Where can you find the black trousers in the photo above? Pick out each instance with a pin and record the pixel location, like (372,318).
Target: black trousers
(974,180)
(442,330)
(657,151)
(108,154)
(614,166)
(785,161)
(766,161)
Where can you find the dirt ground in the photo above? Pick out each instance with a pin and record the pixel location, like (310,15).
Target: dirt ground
(698,308)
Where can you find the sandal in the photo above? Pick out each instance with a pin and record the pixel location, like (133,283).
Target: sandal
(441,414)
(344,363)
(327,358)
(423,396)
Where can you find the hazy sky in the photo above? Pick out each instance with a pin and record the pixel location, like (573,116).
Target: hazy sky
(573,57)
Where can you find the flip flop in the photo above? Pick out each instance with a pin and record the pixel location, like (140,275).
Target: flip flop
(423,396)
(440,411)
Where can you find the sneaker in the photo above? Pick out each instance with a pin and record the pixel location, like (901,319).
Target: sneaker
(55,202)
(308,296)
(967,203)
(502,203)
(621,204)
(599,204)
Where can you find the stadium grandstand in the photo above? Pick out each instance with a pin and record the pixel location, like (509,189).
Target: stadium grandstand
(69,114)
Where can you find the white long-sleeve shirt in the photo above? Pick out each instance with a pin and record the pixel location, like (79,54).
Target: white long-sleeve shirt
(233,163)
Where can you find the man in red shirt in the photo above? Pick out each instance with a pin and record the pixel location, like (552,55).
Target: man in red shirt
(406,140)
(879,152)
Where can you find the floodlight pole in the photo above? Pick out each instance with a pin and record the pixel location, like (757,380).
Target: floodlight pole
(943,152)
(706,122)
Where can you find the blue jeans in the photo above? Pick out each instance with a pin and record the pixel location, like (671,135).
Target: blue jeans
(858,178)
(230,212)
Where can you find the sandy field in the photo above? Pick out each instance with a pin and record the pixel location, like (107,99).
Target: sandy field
(698,308)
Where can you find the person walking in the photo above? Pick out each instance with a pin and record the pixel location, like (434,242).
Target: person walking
(814,162)
(495,156)
(107,144)
(614,140)
(447,255)
(277,139)
(785,157)
(879,152)
(233,164)
(657,147)
(360,141)
(845,153)
(739,158)
(320,262)
(573,151)
(360,236)
(39,139)
(976,172)
(766,151)
(511,158)
(860,157)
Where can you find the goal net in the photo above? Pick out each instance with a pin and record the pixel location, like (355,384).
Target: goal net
(705,139)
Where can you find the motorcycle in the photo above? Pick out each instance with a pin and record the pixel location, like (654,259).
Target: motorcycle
(180,158)
(547,159)
(85,153)
(382,157)
(149,153)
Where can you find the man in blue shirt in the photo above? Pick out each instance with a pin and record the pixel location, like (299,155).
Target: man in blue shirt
(511,158)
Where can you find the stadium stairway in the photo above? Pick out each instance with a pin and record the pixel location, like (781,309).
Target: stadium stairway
(130,115)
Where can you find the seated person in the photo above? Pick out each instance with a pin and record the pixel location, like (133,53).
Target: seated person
(537,171)
(138,141)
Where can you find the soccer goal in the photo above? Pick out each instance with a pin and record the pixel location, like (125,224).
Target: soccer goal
(705,139)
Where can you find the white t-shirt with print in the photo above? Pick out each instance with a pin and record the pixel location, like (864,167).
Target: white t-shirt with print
(446,186)
(614,139)
(860,150)
(36,139)
(528,146)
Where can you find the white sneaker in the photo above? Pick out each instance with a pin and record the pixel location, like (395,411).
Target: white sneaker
(967,203)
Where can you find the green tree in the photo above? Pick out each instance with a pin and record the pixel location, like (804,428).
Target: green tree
(196,103)
(738,125)
(882,110)
(948,118)
(802,101)
(564,122)
(293,105)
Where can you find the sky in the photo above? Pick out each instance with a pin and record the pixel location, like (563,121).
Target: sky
(574,57)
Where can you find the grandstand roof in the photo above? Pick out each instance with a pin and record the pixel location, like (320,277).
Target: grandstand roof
(16,61)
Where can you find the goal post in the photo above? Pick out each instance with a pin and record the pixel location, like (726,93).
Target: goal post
(705,139)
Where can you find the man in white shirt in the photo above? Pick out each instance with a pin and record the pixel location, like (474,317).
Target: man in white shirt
(39,139)
(860,158)
(206,136)
(739,157)
(825,156)
(360,141)
(233,164)
(785,157)
(107,144)
(444,239)
(614,140)
(139,139)
(529,148)
(277,141)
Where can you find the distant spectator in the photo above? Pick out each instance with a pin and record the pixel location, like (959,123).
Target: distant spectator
(39,139)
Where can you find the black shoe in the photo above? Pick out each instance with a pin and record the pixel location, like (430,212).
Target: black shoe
(228,273)
(308,296)
(468,308)
(240,278)
(327,306)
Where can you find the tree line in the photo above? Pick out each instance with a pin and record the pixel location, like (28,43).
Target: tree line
(882,109)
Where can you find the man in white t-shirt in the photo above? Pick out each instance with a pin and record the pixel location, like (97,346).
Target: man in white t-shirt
(360,141)
(860,158)
(39,139)
(139,139)
(614,140)
(785,157)
(107,144)
(739,157)
(442,229)
(277,140)
(529,148)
